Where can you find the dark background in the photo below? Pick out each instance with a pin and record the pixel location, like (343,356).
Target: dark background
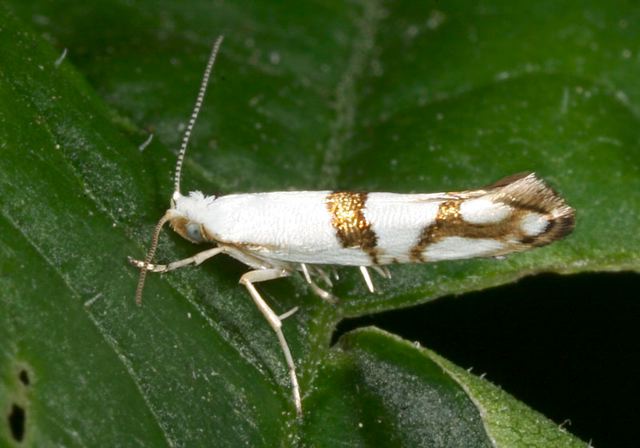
(565,345)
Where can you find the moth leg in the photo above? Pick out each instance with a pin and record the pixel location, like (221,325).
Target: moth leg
(263,275)
(315,270)
(324,295)
(367,278)
(196,259)
(289,313)
(383,271)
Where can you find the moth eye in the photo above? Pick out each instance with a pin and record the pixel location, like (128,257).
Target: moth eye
(193,231)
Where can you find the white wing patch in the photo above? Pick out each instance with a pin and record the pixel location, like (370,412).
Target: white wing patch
(534,224)
(457,247)
(484,211)
(393,218)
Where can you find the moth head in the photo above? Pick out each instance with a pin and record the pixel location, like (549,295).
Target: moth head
(186,216)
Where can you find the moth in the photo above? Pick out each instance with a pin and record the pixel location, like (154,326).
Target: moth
(277,234)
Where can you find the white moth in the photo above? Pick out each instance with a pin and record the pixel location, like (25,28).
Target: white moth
(279,233)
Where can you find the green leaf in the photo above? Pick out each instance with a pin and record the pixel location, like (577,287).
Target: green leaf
(409,96)
(393,393)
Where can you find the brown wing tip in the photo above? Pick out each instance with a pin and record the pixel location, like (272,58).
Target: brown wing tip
(509,180)
(526,191)
(562,225)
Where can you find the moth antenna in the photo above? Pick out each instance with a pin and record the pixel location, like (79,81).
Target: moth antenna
(196,111)
(149,257)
